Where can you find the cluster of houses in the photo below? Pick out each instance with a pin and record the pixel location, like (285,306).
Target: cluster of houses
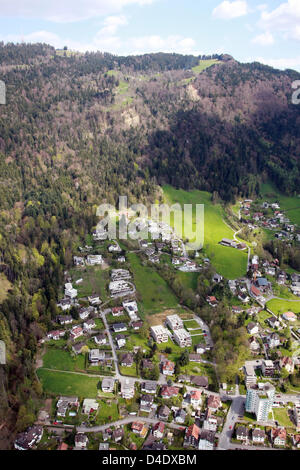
(120,285)
(233,244)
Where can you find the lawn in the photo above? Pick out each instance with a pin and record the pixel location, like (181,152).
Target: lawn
(154,292)
(204,64)
(281,415)
(128,371)
(188,280)
(95,281)
(191,324)
(62,360)
(63,383)
(108,412)
(282,306)
(229,262)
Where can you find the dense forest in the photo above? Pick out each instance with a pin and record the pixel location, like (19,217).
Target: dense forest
(79,129)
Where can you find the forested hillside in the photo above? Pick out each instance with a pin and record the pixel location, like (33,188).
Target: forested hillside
(79,129)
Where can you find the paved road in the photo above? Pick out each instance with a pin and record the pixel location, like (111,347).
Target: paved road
(236,409)
(128,420)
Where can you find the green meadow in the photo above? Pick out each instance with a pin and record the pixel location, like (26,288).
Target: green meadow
(64,383)
(204,64)
(282,306)
(228,262)
(62,360)
(154,292)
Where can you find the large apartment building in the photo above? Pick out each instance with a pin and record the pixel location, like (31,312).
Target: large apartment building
(174,322)
(183,338)
(259,400)
(159,334)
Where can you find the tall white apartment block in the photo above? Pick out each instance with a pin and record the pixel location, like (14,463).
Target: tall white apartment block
(259,400)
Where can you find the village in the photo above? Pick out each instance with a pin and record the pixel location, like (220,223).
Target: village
(154,379)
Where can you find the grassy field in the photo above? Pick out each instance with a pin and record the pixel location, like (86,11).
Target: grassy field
(63,383)
(107,413)
(290,204)
(228,262)
(95,280)
(282,306)
(152,288)
(204,64)
(281,415)
(62,360)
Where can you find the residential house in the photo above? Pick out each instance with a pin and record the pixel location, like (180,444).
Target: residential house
(100,339)
(146,402)
(254,345)
(117,311)
(195,357)
(206,440)
(169,392)
(126,360)
(237,310)
(121,341)
(289,316)
(118,434)
(191,438)
(149,387)
(119,327)
(258,436)
(252,328)
(273,322)
(89,325)
(211,422)
(26,440)
(268,368)
(64,319)
(288,364)
(137,325)
(108,385)
(278,436)
(180,416)
(164,412)
(158,430)
(196,399)
(89,406)
(242,433)
(56,334)
(212,301)
(200,348)
(65,304)
(168,368)
(94,299)
(77,347)
(147,364)
(76,332)
(273,340)
(81,441)
(199,381)
(139,428)
(214,403)
(127,389)
(96,356)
